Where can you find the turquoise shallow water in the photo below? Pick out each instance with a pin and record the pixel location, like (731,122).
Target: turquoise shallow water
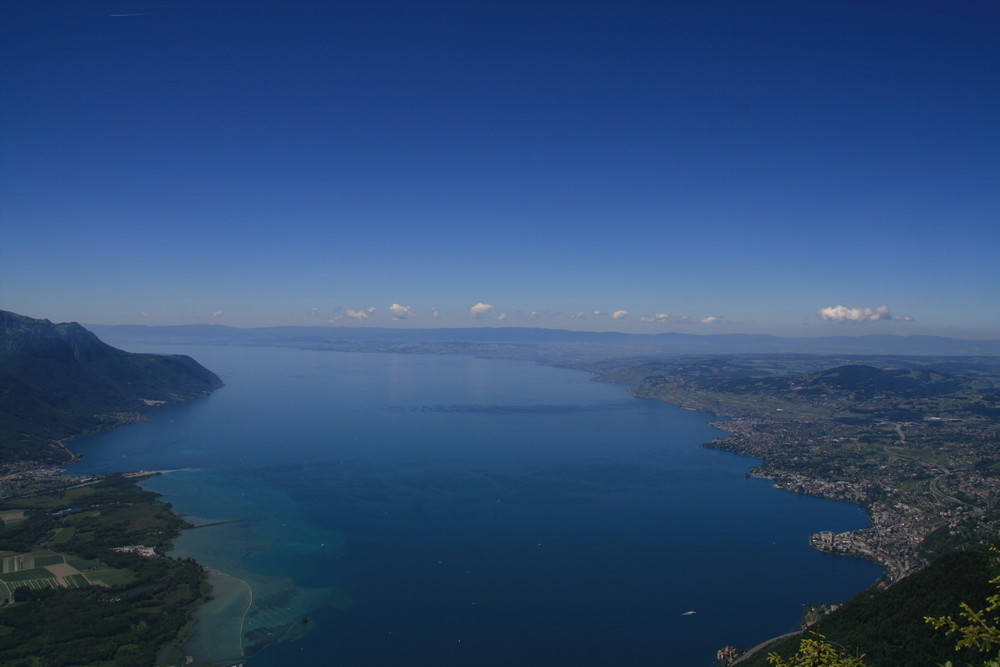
(445,510)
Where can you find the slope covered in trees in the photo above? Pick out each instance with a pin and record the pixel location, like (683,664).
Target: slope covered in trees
(59,381)
(888,626)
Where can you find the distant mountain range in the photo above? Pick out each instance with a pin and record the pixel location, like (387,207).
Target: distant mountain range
(59,380)
(480,339)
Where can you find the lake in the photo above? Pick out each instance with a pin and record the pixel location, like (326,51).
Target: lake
(445,510)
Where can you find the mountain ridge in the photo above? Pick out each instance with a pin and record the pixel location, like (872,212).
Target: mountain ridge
(60,380)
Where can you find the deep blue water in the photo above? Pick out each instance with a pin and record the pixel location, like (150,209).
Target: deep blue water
(477,512)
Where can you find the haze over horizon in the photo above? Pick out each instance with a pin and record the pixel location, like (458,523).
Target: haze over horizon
(807,169)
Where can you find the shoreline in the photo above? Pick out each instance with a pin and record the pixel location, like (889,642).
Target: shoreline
(892,569)
(763,645)
(246,610)
(756,472)
(739,430)
(853,543)
(863,543)
(913,465)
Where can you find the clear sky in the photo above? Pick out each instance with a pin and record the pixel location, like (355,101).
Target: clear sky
(795,168)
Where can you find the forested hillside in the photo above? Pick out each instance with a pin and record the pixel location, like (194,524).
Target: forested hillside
(59,380)
(888,626)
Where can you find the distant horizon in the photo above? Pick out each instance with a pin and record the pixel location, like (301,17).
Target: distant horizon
(512,326)
(816,330)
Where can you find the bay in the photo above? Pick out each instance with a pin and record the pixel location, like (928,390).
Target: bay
(446,510)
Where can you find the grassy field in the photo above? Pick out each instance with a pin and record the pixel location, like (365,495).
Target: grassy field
(83,564)
(109,576)
(48,559)
(62,535)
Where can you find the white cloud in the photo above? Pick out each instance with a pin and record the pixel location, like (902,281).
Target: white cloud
(711,319)
(579,316)
(144,313)
(533,315)
(401,312)
(216,314)
(659,317)
(903,318)
(619,314)
(360,314)
(853,315)
(435,313)
(314,311)
(597,313)
(502,316)
(480,309)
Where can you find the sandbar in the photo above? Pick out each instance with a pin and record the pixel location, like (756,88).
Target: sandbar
(218,629)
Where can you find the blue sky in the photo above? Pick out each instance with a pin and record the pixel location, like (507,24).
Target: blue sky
(771,167)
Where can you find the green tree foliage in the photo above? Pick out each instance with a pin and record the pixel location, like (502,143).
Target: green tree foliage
(817,653)
(887,625)
(981,628)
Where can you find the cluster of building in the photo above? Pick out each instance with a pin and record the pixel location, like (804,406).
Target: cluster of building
(139,550)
